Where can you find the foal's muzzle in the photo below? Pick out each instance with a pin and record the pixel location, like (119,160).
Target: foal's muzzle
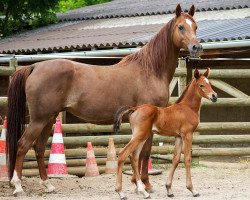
(213,97)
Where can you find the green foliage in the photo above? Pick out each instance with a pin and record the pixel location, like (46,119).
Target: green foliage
(25,14)
(65,5)
(19,15)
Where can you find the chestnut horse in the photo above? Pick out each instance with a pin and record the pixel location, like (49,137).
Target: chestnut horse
(93,93)
(179,120)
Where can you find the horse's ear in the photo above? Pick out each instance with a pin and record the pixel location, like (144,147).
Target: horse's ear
(191,11)
(196,73)
(206,74)
(178,10)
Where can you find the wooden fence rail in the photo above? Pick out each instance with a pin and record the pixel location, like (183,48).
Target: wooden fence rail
(239,102)
(204,126)
(81,141)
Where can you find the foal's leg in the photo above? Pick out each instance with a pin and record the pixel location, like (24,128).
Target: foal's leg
(175,162)
(134,162)
(40,149)
(124,153)
(187,158)
(143,164)
(29,136)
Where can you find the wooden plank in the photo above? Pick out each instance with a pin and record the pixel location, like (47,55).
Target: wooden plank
(182,81)
(172,85)
(81,141)
(228,88)
(204,126)
(228,73)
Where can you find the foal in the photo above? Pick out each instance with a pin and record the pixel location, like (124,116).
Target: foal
(179,120)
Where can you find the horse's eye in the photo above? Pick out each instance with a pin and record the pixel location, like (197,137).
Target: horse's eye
(201,86)
(180,27)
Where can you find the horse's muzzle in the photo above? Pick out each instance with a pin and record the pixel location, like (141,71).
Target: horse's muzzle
(195,49)
(214,97)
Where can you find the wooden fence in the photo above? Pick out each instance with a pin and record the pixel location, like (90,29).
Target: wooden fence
(76,145)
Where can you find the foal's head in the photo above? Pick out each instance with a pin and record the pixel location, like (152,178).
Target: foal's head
(203,86)
(184,31)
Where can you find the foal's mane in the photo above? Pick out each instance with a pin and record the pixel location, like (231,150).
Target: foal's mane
(153,56)
(184,92)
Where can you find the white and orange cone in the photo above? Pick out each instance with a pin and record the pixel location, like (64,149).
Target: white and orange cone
(57,162)
(111,163)
(91,165)
(3,164)
(152,171)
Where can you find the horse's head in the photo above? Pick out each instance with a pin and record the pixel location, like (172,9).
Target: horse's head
(203,86)
(184,31)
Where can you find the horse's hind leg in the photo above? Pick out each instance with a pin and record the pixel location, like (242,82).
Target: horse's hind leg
(124,153)
(39,147)
(134,162)
(175,162)
(29,136)
(143,160)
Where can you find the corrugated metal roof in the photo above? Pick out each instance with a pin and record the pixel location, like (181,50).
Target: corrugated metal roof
(131,8)
(73,35)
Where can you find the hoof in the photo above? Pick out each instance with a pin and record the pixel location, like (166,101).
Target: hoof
(147,197)
(170,195)
(150,190)
(50,190)
(196,195)
(124,198)
(20,193)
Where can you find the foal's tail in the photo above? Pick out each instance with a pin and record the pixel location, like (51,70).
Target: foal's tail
(16,114)
(119,114)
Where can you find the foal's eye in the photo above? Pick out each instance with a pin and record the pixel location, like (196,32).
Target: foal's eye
(201,86)
(180,27)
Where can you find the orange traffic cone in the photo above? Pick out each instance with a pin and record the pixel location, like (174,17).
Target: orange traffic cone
(111,163)
(152,171)
(3,164)
(91,165)
(57,162)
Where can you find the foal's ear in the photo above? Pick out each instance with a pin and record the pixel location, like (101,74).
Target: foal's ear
(178,10)
(196,73)
(206,73)
(191,11)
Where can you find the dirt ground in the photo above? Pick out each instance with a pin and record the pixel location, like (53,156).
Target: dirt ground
(212,181)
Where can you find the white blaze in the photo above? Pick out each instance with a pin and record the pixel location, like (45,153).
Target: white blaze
(206,80)
(189,22)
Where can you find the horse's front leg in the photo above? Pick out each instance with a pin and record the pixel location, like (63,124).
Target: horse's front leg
(143,164)
(188,138)
(175,162)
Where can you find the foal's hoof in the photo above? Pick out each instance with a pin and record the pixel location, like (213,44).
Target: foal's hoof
(170,195)
(20,193)
(124,198)
(150,190)
(196,195)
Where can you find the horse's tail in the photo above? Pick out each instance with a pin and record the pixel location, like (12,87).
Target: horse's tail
(16,114)
(119,114)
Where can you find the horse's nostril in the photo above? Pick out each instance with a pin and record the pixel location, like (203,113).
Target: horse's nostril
(195,47)
(213,96)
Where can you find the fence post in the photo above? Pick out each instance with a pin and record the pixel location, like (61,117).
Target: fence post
(13,65)
(182,80)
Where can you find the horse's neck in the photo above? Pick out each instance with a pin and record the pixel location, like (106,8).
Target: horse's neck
(192,98)
(167,53)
